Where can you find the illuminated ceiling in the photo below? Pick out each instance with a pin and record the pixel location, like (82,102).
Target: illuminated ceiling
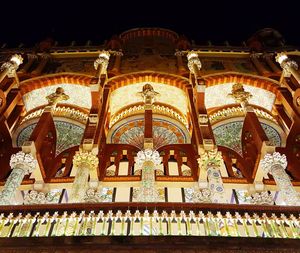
(216,96)
(79,96)
(127,95)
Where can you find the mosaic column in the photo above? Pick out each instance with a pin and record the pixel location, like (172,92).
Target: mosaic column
(211,161)
(84,162)
(148,159)
(194,63)
(101,63)
(22,164)
(289,66)
(9,68)
(275,164)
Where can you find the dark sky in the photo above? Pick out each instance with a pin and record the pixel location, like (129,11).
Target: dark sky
(82,20)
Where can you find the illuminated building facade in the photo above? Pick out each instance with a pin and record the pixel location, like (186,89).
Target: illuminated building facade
(150,136)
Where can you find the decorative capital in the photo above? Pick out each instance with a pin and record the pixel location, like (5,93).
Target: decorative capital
(286,64)
(23,161)
(85,158)
(239,94)
(193,59)
(271,160)
(148,155)
(103,60)
(57,96)
(210,158)
(12,65)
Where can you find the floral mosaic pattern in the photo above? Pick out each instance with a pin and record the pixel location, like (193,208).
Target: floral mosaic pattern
(160,191)
(68,135)
(164,133)
(79,95)
(217,96)
(229,135)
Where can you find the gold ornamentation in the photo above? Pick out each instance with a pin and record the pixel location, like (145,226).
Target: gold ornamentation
(211,158)
(139,109)
(85,158)
(193,61)
(12,65)
(56,97)
(148,94)
(239,94)
(59,112)
(236,112)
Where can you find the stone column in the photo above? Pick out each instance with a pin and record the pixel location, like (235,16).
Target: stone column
(31,59)
(211,161)
(148,160)
(275,164)
(259,66)
(22,164)
(289,66)
(44,60)
(194,63)
(84,162)
(9,68)
(181,68)
(101,63)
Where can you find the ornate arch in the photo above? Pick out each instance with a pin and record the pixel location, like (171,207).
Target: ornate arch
(53,79)
(148,76)
(248,79)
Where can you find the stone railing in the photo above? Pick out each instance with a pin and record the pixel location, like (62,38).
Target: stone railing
(148,223)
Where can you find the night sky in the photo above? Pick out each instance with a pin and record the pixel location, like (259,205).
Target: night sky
(82,20)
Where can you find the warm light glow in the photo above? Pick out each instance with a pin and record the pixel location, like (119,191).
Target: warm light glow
(17,59)
(169,95)
(281,57)
(104,54)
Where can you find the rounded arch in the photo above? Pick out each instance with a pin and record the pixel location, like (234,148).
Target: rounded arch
(248,79)
(148,76)
(53,79)
(35,90)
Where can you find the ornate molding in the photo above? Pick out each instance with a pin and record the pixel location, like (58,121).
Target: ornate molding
(103,60)
(12,65)
(273,160)
(193,60)
(148,155)
(239,94)
(85,158)
(58,111)
(262,198)
(211,158)
(139,109)
(56,97)
(23,161)
(237,112)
